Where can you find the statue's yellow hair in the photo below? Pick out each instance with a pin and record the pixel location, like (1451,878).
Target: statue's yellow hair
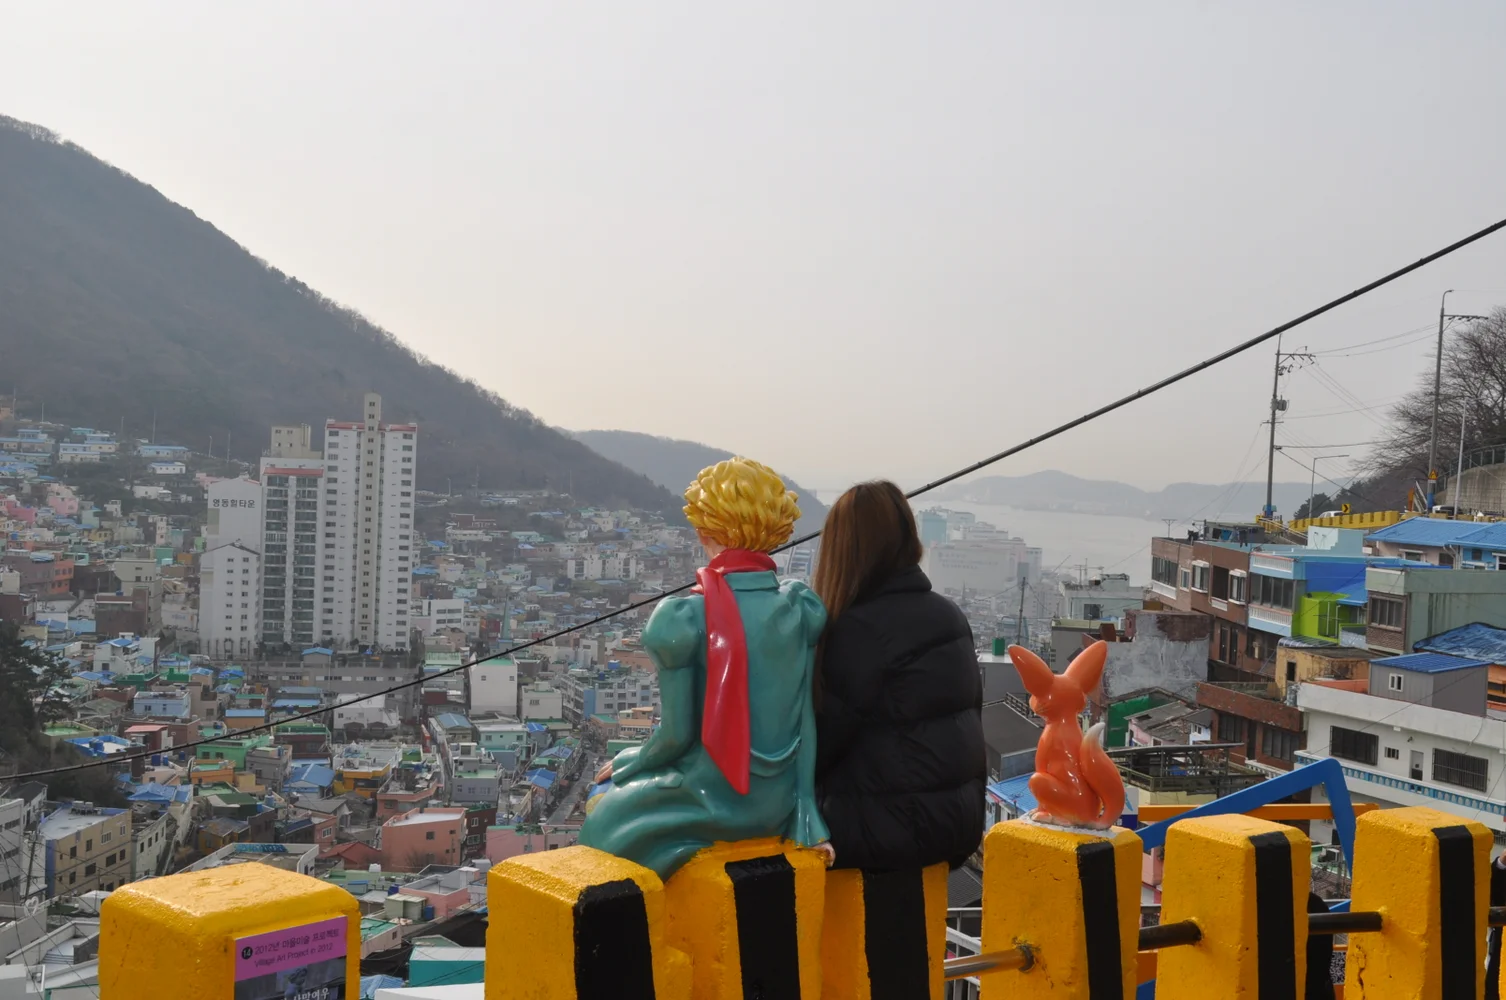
(742,505)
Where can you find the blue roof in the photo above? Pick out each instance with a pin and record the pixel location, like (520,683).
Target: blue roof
(296,703)
(452,720)
(1015,791)
(536,727)
(1429,663)
(153,792)
(1424,531)
(370,985)
(1490,536)
(1478,641)
(311,773)
(540,779)
(319,649)
(245,713)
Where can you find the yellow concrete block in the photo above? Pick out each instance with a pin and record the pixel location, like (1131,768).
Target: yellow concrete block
(884,934)
(1073,899)
(1429,874)
(245,931)
(1244,882)
(749,916)
(579,924)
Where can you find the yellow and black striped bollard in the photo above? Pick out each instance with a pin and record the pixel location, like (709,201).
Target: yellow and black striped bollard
(749,916)
(1429,876)
(884,934)
(579,924)
(1072,900)
(1243,882)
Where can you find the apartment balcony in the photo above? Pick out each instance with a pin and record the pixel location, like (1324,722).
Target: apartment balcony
(1266,619)
(1267,564)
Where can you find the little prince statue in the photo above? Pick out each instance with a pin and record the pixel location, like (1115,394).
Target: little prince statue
(734,756)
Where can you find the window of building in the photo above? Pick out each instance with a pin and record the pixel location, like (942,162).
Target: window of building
(1200,577)
(1278,743)
(1272,592)
(1353,745)
(1392,753)
(1387,612)
(90,869)
(1239,586)
(1460,769)
(1231,729)
(1163,570)
(429,835)
(1393,683)
(1413,555)
(1219,587)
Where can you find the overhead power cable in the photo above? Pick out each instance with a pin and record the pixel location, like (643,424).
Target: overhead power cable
(984,463)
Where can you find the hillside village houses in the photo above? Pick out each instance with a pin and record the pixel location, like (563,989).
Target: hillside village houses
(231,605)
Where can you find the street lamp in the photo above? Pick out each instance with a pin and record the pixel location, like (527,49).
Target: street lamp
(1312,489)
(1443,317)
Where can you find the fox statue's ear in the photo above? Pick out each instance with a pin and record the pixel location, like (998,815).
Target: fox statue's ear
(1086,668)
(1033,671)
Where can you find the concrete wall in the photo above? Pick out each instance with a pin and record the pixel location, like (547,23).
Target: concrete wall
(1169,651)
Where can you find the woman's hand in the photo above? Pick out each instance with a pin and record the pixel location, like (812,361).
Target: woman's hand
(827,852)
(605,773)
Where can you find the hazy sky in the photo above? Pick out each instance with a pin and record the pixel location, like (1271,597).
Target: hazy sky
(848,238)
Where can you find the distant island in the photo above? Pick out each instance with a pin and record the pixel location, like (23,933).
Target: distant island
(1061,491)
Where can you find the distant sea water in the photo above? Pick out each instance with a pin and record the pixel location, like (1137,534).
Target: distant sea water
(1118,544)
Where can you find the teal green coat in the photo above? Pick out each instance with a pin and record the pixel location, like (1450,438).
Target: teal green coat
(668,799)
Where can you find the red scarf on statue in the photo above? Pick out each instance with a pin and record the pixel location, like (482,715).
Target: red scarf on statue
(724,724)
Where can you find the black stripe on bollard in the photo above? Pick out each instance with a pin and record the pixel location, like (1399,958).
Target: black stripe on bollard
(1100,917)
(613,956)
(894,920)
(1456,910)
(763,890)
(1275,927)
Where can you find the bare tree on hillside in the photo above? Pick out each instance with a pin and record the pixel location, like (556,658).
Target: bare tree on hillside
(1473,383)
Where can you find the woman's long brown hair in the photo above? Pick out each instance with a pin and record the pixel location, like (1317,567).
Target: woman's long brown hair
(869,536)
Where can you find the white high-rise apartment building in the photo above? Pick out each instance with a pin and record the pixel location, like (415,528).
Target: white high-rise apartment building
(367,541)
(292,563)
(230,585)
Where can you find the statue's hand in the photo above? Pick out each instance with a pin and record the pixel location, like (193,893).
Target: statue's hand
(605,773)
(827,852)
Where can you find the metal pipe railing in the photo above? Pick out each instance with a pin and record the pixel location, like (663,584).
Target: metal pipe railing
(1181,933)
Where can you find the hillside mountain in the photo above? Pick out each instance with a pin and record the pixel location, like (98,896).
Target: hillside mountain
(673,464)
(115,301)
(1052,490)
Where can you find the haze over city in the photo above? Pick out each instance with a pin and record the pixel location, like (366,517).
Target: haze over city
(850,240)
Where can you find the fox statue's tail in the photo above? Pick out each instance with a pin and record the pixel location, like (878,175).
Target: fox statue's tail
(1100,774)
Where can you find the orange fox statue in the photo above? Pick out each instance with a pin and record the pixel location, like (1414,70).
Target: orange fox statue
(1075,782)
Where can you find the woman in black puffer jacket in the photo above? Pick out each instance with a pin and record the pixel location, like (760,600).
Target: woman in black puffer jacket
(901,765)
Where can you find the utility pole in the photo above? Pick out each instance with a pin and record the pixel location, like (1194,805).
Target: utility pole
(1443,317)
(1459,470)
(1169,522)
(1278,404)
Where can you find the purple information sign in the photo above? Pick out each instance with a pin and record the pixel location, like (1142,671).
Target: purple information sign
(306,962)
